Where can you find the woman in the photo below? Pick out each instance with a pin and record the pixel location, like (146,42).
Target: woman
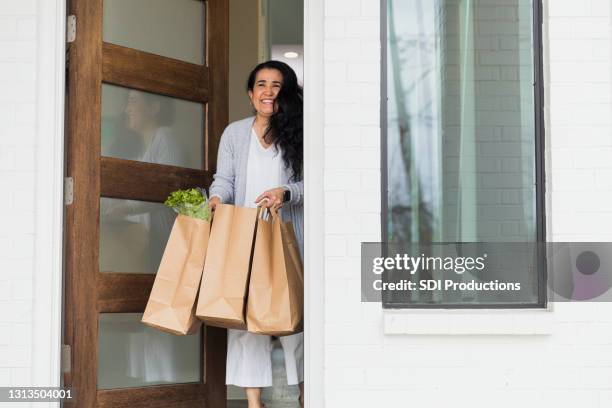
(260,162)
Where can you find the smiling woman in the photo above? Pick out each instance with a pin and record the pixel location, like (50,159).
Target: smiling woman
(260,162)
(265,91)
(275,80)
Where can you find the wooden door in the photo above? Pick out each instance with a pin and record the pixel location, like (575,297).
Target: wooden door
(147,103)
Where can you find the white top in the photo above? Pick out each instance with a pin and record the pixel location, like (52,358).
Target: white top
(264,170)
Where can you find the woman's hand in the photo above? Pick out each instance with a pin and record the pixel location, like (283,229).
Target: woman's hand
(272,198)
(212,203)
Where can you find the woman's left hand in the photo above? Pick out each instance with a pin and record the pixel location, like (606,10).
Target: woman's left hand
(272,198)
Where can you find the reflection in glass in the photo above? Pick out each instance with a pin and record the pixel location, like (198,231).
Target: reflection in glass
(131,354)
(133,235)
(151,128)
(460,121)
(461,131)
(172,29)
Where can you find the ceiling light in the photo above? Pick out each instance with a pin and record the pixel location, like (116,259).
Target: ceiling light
(291,54)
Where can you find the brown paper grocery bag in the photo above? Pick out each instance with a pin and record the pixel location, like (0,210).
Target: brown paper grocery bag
(171,305)
(276,288)
(226,272)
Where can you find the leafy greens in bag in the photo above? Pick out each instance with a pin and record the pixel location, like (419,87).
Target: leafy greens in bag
(192,203)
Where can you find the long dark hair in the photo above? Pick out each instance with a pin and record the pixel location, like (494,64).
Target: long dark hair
(285,128)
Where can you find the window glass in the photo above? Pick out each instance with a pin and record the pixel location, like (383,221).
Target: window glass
(151,128)
(460,125)
(133,234)
(172,29)
(131,354)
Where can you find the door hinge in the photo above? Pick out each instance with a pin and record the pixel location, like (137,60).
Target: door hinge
(68,190)
(71,28)
(66,358)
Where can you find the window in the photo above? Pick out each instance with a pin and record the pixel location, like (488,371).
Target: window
(462,135)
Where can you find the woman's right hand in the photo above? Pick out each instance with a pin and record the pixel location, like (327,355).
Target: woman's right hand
(212,203)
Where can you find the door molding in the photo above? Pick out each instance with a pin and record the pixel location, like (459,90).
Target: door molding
(314,244)
(48,253)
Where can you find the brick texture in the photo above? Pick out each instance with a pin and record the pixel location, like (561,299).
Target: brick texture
(363,366)
(17,167)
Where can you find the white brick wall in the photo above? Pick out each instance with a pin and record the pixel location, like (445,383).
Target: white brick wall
(17,174)
(570,366)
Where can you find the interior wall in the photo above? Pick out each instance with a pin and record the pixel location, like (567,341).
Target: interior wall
(243,54)
(286,33)
(287,18)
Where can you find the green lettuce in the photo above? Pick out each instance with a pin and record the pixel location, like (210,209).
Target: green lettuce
(191,203)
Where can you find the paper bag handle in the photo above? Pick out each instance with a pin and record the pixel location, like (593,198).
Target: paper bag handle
(270,211)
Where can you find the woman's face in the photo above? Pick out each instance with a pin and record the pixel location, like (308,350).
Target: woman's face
(268,83)
(139,112)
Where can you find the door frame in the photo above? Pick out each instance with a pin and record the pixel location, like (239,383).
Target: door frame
(314,231)
(48,272)
(48,250)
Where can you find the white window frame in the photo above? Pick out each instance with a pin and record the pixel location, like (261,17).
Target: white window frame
(485,321)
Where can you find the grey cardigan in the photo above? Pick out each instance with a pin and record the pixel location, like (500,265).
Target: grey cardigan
(230,179)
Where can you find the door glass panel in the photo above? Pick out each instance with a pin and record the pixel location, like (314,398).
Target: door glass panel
(151,128)
(131,354)
(172,29)
(133,235)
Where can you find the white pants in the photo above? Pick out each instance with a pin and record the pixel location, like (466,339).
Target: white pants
(249,358)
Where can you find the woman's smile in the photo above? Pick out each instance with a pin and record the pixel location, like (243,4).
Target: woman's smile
(268,104)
